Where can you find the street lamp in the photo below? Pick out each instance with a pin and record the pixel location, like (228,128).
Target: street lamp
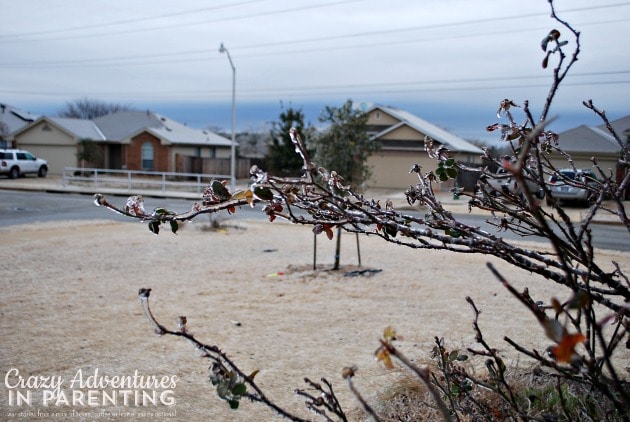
(222,49)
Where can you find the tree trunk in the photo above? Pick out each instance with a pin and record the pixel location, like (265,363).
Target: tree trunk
(337,249)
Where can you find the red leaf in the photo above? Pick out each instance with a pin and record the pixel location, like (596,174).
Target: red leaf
(565,350)
(329,232)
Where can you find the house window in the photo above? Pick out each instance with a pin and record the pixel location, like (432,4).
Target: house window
(147,156)
(46,128)
(377,115)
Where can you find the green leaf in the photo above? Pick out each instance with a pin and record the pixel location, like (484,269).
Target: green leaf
(443,177)
(263,193)
(450,162)
(154,226)
(451,172)
(220,191)
(390,231)
(239,389)
(162,211)
(174,226)
(233,404)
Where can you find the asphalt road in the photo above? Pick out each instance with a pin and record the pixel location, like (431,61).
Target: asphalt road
(18,207)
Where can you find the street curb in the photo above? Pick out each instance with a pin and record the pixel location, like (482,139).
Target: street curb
(52,185)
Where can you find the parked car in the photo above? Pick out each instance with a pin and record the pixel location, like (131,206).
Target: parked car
(16,162)
(505,182)
(572,185)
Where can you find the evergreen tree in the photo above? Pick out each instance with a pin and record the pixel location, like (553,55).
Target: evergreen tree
(281,159)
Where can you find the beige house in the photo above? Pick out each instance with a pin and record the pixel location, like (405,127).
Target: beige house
(401,135)
(56,139)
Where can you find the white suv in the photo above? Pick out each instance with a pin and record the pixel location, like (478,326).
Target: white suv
(15,163)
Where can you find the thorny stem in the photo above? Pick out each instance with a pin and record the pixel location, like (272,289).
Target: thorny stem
(366,406)
(216,354)
(498,362)
(571,265)
(423,374)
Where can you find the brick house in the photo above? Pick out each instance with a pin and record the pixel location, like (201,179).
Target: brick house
(130,140)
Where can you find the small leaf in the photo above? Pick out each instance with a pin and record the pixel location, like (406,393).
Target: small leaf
(389,333)
(174,226)
(154,226)
(443,177)
(329,232)
(247,195)
(220,191)
(545,62)
(391,231)
(382,355)
(239,389)
(451,172)
(544,43)
(263,193)
(162,211)
(450,162)
(565,350)
(253,374)
(233,404)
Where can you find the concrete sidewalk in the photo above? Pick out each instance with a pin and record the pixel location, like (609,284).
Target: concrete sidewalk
(54,184)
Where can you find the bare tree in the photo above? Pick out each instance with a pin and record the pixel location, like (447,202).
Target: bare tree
(85,108)
(596,317)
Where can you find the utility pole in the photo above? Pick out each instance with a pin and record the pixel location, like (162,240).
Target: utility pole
(222,49)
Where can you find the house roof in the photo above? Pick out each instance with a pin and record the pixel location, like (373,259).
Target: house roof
(124,125)
(595,139)
(79,128)
(14,118)
(621,127)
(452,142)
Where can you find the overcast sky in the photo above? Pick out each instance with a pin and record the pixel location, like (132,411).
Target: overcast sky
(448,61)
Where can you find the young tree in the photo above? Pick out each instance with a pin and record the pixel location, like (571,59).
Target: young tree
(344,144)
(588,329)
(281,158)
(86,108)
(89,153)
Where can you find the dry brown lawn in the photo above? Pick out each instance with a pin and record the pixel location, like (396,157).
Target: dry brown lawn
(69,304)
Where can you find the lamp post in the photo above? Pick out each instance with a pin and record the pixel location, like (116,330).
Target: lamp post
(222,49)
